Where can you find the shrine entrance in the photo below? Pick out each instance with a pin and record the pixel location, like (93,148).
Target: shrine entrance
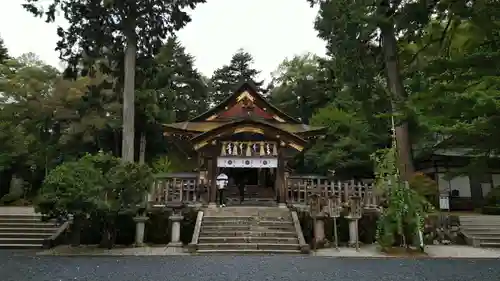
(258,186)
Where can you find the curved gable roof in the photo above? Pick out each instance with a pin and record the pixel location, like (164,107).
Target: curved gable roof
(247,122)
(233,99)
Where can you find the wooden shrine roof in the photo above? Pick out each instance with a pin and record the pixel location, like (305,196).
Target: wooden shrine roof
(244,104)
(245,101)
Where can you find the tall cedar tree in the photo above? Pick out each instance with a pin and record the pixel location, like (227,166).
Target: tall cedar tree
(228,76)
(352,28)
(4,53)
(98,27)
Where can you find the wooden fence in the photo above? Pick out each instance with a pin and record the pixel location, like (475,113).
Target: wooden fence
(184,188)
(299,189)
(175,188)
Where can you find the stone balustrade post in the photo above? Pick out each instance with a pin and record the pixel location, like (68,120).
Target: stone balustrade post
(175,235)
(140,224)
(353,217)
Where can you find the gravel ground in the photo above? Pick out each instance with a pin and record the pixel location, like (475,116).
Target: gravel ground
(24,266)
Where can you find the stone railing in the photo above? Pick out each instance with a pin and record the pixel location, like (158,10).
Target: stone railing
(300,189)
(249,148)
(175,188)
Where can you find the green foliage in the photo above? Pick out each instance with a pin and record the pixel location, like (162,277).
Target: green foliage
(162,165)
(425,186)
(493,197)
(4,53)
(95,183)
(72,188)
(127,188)
(101,27)
(225,79)
(348,142)
(405,210)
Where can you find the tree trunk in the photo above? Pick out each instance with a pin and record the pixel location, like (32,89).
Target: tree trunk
(142,149)
(129,98)
(395,84)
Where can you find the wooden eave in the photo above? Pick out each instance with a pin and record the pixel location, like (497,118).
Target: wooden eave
(233,127)
(233,99)
(195,128)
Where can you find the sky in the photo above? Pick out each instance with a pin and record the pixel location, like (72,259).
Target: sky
(271,30)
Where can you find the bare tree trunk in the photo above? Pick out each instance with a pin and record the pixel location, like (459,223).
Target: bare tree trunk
(142,149)
(129,99)
(395,84)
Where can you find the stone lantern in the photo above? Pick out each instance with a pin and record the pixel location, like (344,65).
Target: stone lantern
(318,216)
(176,217)
(354,215)
(334,208)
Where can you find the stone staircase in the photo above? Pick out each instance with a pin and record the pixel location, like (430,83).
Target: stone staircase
(481,230)
(24,231)
(250,230)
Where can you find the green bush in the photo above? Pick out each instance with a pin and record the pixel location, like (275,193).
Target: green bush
(492,202)
(493,197)
(158,228)
(491,210)
(100,187)
(188,224)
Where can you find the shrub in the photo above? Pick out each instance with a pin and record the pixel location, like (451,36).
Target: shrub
(425,186)
(493,197)
(72,188)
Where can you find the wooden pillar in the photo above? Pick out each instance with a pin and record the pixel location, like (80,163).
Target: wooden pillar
(212,170)
(262,178)
(280,179)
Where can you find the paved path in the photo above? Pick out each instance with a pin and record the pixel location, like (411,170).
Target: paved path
(24,266)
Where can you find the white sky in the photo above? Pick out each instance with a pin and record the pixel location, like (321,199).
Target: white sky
(270,30)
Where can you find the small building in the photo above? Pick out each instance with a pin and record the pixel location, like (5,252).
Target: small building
(466,191)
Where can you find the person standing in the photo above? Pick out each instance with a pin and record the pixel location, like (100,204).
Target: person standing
(222,180)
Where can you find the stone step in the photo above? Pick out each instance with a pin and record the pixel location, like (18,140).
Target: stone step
(287,227)
(39,235)
(248,211)
(26,230)
(245,218)
(481,217)
(248,252)
(249,246)
(487,239)
(20,216)
(482,233)
(233,233)
(25,225)
(490,244)
(248,222)
(248,239)
(21,246)
(480,227)
(476,222)
(21,240)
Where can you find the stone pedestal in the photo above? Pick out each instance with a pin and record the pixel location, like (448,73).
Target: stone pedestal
(319,229)
(282,205)
(139,230)
(353,232)
(175,236)
(212,205)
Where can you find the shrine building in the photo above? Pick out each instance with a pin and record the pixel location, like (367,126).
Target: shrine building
(248,139)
